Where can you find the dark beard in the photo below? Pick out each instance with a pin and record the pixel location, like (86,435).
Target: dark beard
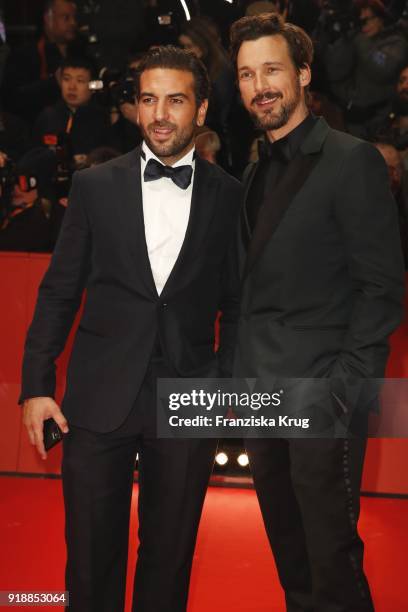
(181,142)
(270,121)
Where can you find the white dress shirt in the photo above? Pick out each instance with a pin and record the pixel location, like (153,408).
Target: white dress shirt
(166,211)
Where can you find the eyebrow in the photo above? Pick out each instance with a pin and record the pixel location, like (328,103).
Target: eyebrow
(264,64)
(171,95)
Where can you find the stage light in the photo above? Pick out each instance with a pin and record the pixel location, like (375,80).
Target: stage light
(243,460)
(221,458)
(185,7)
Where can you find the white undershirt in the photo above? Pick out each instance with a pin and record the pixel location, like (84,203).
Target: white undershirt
(166,211)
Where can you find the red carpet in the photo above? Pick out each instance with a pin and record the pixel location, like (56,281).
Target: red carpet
(233,570)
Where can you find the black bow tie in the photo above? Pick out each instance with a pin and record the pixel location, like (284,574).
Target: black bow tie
(180,175)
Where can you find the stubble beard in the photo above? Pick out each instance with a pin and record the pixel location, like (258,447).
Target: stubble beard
(182,139)
(275,121)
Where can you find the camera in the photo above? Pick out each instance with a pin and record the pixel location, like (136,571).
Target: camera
(114,88)
(60,146)
(9,178)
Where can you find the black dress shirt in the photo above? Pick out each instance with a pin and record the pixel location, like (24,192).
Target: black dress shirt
(274,158)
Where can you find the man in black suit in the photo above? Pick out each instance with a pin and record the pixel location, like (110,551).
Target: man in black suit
(32,75)
(150,235)
(76,123)
(322,291)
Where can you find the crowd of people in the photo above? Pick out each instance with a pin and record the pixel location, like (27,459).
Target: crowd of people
(60,111)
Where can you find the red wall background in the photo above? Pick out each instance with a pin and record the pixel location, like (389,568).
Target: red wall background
(386,467)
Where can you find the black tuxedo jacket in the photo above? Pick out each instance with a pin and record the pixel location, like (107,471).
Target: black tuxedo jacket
(323,271)
(102,248)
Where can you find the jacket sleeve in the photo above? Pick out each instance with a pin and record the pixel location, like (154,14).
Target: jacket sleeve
(59,298)
(367,216)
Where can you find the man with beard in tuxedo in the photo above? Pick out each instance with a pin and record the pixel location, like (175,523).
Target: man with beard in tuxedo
(151,236)
(322,291)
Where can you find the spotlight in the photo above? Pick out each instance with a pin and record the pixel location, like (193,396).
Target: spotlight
(221,458)
(243,459)
(186,11)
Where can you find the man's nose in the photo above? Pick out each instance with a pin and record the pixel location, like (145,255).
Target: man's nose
(161,111)
(260,83)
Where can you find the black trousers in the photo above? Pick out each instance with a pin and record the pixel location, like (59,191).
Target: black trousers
(309,494)
(97,473)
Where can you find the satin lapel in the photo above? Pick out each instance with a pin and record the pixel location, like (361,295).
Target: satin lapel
(243,228)
(203,206)
(247,179)
(130,204)
(271,214)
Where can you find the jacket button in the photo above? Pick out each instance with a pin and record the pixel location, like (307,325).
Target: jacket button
(164,304)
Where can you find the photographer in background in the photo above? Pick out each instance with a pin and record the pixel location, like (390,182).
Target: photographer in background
(399,116)
(27,202)
(75,123)
(31,79)
(196,37)
(123,108)
(111,28)
(395,127)
(363,67)
(398,185)
(14,136)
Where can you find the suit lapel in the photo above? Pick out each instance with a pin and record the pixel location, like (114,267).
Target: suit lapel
(203,206)
(247,179)
(295,176)
(130,203)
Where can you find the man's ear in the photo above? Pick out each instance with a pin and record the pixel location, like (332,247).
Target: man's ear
(305,76)
(137,112)
(201,113)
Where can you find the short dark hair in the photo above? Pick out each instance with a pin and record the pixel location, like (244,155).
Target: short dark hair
(376,6)
(272,24)
(168,56)
(78,61)
(49,4)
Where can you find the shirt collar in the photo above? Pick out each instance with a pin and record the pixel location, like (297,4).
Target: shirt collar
(186,160)
(286,148)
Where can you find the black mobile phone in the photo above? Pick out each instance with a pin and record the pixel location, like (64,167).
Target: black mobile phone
(52,434)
